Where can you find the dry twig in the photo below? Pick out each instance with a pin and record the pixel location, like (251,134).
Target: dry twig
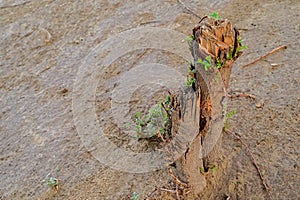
(177,179)
(267,54)
(234,134)
(167,190)
(189,10)
(177,194)
(172,191)
(233,96)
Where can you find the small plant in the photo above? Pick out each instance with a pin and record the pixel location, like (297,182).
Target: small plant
(213,168)
(207,62)
(242,47)
(202,170)
(214,15)
(190,39)
(140,121)
(228,116)
(217,77)
(51,181)
(156,122)
(220,64)
(230,56)
(191,69)
(190,81)
(135,196)
(238,182)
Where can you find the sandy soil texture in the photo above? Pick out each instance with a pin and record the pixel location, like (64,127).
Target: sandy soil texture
(44,46)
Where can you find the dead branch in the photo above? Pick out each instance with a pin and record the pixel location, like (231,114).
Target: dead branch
(234,134)
(267,54)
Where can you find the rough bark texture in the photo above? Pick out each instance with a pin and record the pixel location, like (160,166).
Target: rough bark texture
(218,40)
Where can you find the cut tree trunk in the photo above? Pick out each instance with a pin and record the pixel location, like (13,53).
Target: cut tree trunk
(204,105)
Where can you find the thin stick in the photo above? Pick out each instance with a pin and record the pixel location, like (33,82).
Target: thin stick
(233,96)
(234,134)
(167,190)
(267,54)
(161,137)
(177,193)
(177,179)
(172,191)
(189,10)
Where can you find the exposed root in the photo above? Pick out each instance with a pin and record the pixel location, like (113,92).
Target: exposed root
(161,137)
(237,136)
(177,179)
(175,191)
(267,54)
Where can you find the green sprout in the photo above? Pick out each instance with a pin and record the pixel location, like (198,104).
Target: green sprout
(213,168)
(51,181)
(220,64)
(135,196)
(230,56)
(214,15)
(242,47)
(202,170)
(190,39)
(156,121)
(190,70)
(217,77)
(207,62)
(190,81)
(228,117)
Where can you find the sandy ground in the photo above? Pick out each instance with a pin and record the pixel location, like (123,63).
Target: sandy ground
(38,71)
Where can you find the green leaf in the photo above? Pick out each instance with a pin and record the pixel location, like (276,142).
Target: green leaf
(241,48)
(137,115)
(201,169)
(135,196)
(214,15)
(214,168)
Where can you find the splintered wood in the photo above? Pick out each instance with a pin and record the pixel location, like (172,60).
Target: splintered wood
(218,38)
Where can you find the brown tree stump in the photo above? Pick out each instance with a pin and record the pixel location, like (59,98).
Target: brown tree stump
(204,106)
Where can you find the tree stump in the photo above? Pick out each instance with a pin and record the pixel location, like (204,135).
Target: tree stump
(219,40)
